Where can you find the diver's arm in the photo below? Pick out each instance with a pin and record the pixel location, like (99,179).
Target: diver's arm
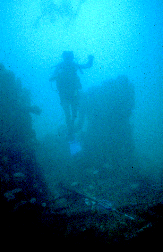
(89,64)
(53,77)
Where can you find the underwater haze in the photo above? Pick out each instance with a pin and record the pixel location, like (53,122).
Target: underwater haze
(121,132)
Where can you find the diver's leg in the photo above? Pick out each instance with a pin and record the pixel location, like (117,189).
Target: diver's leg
(67,111)
(74,108)
(82,111)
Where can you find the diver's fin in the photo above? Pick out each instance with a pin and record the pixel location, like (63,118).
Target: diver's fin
(75,147)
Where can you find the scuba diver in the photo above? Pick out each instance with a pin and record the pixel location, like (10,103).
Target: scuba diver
(68,85)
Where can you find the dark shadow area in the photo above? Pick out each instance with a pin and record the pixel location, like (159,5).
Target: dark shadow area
(95,197)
